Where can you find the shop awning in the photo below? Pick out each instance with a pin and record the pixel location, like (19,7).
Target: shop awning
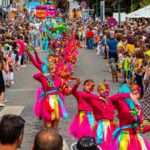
(140,13)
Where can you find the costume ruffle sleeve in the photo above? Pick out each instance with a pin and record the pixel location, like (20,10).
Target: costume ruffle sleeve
(34,62)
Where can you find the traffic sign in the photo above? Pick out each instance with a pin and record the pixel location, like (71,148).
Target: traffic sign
(83,4)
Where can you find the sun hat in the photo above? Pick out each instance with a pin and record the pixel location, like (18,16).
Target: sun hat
(85,143)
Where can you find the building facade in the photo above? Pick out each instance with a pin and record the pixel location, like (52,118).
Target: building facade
(5,3)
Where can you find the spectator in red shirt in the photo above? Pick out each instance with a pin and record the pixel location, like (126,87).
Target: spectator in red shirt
(90,36)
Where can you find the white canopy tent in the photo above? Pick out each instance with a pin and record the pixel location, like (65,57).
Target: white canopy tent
(140,13)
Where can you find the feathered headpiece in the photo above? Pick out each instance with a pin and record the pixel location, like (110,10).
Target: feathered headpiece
(135,87)
(103,86)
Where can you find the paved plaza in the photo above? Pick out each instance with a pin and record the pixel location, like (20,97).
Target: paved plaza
(21,96)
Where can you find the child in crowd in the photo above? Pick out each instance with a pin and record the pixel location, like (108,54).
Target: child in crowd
(120,62)
(131,72)
(114,70)
(126,67)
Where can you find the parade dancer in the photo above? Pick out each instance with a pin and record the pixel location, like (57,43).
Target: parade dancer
(128,135)
(49,105)
(84,123)
(50,108)
(104,116)
(71,55)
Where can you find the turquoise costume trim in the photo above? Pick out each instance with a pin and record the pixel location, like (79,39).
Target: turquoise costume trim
(125,89)
(45,37)
(44,66)
(116,132)
(43,94)
(91,119)
(100,132)
(64,112)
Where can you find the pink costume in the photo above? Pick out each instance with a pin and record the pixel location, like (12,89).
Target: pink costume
(71,56)
(66,57)
(49,103)
(84,123)
(128,135)
(146,129)
(61,67)
(56,43)
(51,107)
(104,115)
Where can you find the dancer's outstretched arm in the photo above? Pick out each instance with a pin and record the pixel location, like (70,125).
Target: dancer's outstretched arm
(34,62)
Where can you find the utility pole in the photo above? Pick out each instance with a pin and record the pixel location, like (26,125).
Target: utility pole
(119,15)
(102,10)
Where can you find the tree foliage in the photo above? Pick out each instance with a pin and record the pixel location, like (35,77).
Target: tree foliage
(126,5)
(137,4)
(145,3)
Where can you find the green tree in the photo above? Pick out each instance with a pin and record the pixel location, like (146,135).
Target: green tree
(145,3)
(131,5)
(139,4)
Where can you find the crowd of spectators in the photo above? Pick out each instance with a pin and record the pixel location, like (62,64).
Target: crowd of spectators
(12,134)
(128,45)
(126,49)
(13,44)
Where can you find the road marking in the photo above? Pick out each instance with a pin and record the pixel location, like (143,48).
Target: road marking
(16,110)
